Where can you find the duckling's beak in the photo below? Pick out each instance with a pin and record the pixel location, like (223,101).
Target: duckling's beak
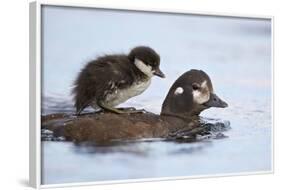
(215,101)
(159,73)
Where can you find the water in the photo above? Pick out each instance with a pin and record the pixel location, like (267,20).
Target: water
(236,54)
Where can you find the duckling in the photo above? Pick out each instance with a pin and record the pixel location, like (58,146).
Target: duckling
(110,80)
(190,94)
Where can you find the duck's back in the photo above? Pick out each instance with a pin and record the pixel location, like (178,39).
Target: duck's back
(110,126)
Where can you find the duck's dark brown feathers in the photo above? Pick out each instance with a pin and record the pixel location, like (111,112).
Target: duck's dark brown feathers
(105,127)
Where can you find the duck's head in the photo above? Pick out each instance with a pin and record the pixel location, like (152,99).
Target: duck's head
(191,94)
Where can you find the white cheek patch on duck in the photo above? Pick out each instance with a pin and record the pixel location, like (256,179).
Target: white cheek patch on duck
(146,69)
(203,95)
(178,91)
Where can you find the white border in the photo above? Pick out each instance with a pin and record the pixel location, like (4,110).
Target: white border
(35,95)
(35,91)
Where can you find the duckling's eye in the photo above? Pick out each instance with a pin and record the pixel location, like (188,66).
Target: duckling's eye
(153,64)
(195,86)
(156,64)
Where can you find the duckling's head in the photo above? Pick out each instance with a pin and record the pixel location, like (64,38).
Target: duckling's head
(190,95)
(146,60)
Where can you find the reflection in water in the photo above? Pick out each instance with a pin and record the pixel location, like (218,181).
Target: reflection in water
(140,148)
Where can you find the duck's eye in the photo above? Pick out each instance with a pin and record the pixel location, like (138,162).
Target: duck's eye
(195,86)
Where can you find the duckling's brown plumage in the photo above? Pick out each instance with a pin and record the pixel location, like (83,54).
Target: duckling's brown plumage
(188,96)
(112,79)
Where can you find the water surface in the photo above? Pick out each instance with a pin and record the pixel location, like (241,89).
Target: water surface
(236,54)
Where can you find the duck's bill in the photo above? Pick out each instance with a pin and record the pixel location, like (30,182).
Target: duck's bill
(159,73)
(215,101)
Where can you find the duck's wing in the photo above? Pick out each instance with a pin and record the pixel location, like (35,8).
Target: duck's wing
(186,133)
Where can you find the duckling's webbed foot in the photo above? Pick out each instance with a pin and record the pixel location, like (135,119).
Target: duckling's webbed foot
(108,108)
(127,109)
(132,110)
(120,111)
(138,111)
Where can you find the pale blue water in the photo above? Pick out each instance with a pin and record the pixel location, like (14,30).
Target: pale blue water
(235,52)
